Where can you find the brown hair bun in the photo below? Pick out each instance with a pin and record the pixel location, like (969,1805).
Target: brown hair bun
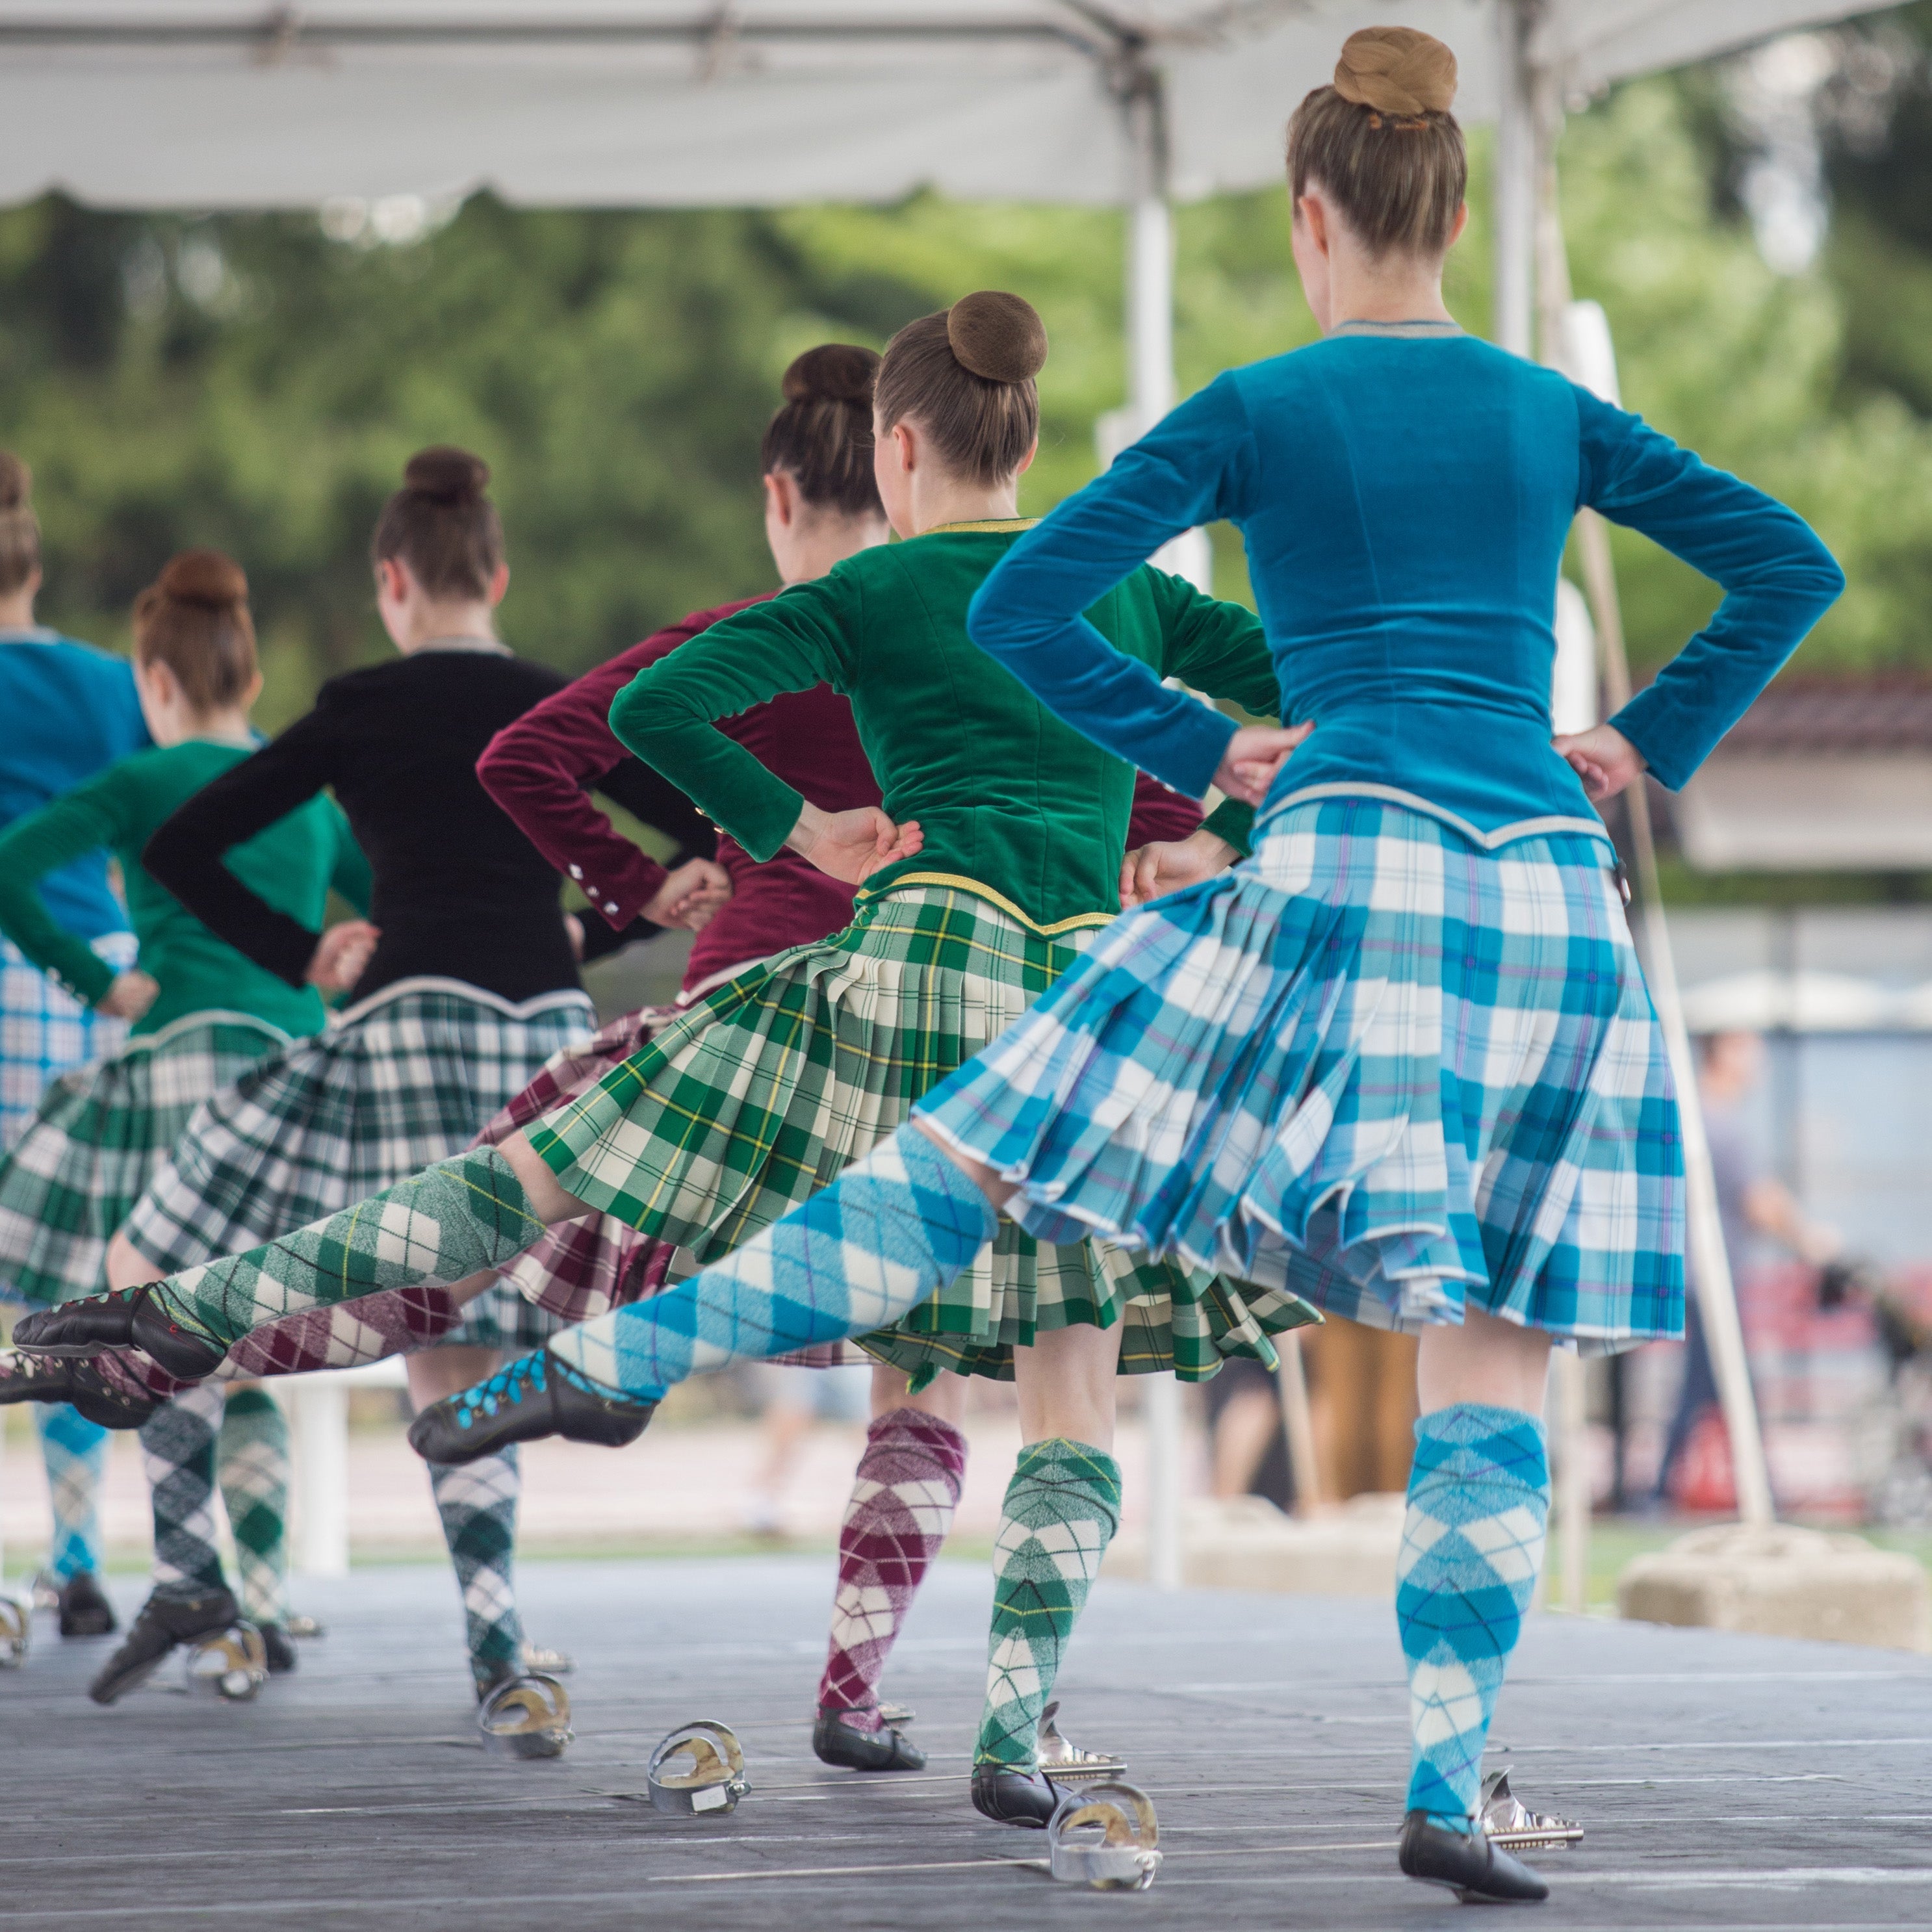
(1397,71)
(205,578)
(834,372)
(17,482)
(998,337)
(447,475)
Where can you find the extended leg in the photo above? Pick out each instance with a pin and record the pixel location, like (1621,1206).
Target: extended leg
(1472,1545)
(904,1493)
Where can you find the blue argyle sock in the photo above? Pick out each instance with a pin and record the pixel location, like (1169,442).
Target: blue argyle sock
(75,1451)
(892,1229)
(1472,1545)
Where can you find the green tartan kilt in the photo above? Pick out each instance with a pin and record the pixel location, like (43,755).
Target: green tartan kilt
(99,1135)
(766,1090)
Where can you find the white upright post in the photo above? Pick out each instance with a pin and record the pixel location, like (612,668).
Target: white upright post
(1515,191)
(1160,1407)
(319,1411)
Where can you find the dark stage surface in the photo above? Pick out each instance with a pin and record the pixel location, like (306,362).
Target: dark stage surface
(1725,1781)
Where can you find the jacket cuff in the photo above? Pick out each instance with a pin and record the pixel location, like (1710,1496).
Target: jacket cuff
(620,887)
(1235,822)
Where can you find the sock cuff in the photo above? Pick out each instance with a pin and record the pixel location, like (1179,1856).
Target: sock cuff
(946,1197)
(1471,1438)
(245,1403)
(1060,1462)
(913,1430)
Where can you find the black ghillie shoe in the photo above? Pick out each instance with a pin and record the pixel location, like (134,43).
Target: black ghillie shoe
(24,1378)
(163,1622)
(119,1318)
(82,1610)
(1009,1797)
(277,1649)
(536,1396)
(1470,1865)
(888,1748)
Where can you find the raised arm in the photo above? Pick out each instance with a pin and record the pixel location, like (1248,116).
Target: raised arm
(86,820)
(186,854)
(666,714)
(1778,579)
(1197,466)
(541,768)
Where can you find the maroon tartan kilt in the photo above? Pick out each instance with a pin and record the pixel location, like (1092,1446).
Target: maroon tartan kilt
(584,1268)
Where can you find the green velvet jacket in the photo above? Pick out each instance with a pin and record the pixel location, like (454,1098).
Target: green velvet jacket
(1013,804)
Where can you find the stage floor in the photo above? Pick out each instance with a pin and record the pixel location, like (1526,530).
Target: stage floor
(1725,1781)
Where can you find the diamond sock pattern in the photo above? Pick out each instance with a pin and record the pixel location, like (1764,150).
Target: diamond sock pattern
(478,1503)
(1062,1508)
(75,1452)
(178,1452)
(903,1497)
(1472,1545)
(251,1459)
(892,1228)
(453,1219)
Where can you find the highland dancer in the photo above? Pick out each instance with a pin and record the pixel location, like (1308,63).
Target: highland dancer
(999,853)
(472,985)
(202,1014)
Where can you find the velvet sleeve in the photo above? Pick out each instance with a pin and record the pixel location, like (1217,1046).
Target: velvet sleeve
(667,714)
(1160,817)
(186,854)
(1777,578)
(541,768)
(1196,466)
(85,820)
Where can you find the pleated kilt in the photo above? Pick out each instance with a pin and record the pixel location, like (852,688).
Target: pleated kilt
(1376,1065)
(97,1140)
(762,1093)
(402,1080)
(46,1032)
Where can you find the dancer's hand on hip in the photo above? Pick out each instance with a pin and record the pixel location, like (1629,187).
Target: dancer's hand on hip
(1165,867)
(690,894)
(1255,754)
(1602,757)
(852,845)
(341,954)
(130,995)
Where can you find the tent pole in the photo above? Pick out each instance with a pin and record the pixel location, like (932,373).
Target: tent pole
(1710,1263)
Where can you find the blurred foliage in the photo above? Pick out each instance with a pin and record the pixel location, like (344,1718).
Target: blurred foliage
(248,381)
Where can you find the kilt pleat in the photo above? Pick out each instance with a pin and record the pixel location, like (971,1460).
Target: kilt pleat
(738,1108)
(402,1081)
(95,1142)
(1376,1065)
(45,1031)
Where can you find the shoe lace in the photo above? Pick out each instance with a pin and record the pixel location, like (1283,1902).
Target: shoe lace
(522,1378)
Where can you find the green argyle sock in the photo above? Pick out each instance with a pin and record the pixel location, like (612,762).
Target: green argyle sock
(453,1219)
(478,1503)
(1062,1508)
(178,1451)
(252,1458)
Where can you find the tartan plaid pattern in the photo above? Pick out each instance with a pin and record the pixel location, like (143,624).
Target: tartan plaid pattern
(398,1083)
(1376,1065)
(44,1030)
(584,1268)
(100,1134)
(758,1095)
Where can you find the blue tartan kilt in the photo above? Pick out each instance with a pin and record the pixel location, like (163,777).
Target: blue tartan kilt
(1375,1064)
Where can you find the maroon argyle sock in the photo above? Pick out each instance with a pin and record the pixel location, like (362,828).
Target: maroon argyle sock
(904,1494)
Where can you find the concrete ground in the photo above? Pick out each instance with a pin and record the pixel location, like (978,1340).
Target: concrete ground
(1725,1781)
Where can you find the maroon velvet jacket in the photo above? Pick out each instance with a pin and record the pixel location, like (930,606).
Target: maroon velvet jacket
(541,769)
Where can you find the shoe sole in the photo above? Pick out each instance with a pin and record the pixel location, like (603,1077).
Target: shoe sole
(131,1681)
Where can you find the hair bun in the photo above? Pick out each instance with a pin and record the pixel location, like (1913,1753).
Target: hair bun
(17,482)
(998,336)
(446,475)
(834,372)
(204,576)
(1397,71)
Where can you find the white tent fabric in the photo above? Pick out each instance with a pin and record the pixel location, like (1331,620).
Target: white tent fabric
(215,104)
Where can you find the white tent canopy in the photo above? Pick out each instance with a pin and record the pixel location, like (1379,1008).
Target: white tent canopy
(223,103)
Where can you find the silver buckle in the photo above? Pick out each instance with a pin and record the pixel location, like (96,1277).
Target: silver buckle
(715,1780)
(1124,1857)
(16,1630)
(526,1717)
(1507,1822)
(232,1664)
(1064,1762)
